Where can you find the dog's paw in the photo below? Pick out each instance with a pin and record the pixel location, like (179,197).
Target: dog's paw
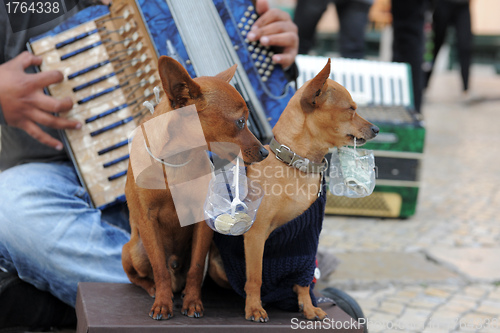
(192,307)
(161,311)
(256,313)
(312,313)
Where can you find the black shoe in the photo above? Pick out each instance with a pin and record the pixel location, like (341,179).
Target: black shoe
(346,303)
(24,307)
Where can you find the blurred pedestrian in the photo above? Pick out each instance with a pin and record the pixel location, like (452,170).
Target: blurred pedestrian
(407,17)
(454,13)
(353,19)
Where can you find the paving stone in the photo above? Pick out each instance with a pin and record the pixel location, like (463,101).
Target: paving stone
(478,264)
(460,304)
(426,302)
(391,307)
(382,294)
(489,307)
(492,329)
(476,290)
(368,305)
(474,321)
(437,292)
(398,299)
(445,319)
(387,267)
(436,329)
(495,294)
(415,318)
(379,322)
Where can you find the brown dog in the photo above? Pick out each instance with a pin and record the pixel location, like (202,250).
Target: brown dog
(321,115)
(162,256)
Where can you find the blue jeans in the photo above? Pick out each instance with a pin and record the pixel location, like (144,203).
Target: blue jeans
(51,236)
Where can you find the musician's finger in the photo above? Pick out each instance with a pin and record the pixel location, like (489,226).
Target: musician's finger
(261,6)
(51,104)
(27,59)
(46,119)
(38,134)
(285,59)
(272,15)
(44,79)
(274,29)
(284,39)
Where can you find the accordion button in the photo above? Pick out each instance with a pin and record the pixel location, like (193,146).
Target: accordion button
(254,56)
(244,33)
(264,78)
(257,50)
(257,64)
(250,8)
(243,19)
(253,16)
(240,25)
(247,14)
(264,52)
(267,73)
(260,71)
(247,27)
(250,21)
(247,40)
(261,58)
(250,48)
(263,65)
(271,67)
(267,59)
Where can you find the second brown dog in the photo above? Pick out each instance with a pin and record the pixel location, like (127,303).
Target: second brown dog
(321,115)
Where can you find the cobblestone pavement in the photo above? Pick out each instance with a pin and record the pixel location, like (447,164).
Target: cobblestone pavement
(455,232)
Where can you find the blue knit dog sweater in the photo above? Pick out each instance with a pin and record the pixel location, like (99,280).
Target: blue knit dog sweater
(289,258)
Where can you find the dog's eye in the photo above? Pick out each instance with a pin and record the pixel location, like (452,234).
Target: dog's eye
(241,123)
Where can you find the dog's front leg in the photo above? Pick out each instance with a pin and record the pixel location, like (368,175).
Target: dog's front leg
(163,306)
(192,305)
(254,252)
(305,304)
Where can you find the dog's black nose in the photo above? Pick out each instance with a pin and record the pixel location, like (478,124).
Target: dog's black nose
(375,129)
(263,152)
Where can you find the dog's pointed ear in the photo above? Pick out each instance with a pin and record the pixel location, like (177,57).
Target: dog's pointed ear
(314,96)
(228,74)
(179,87)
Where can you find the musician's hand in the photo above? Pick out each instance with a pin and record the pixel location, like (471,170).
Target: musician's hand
(380,14)
(275,27)
(24,104)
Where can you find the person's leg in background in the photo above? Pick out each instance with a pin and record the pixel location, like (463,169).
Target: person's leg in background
(353,19)
(51,237)
(462,22)
(306,17)
(441,20)
(408,42)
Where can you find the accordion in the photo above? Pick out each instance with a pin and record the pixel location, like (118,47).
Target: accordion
(109,55)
